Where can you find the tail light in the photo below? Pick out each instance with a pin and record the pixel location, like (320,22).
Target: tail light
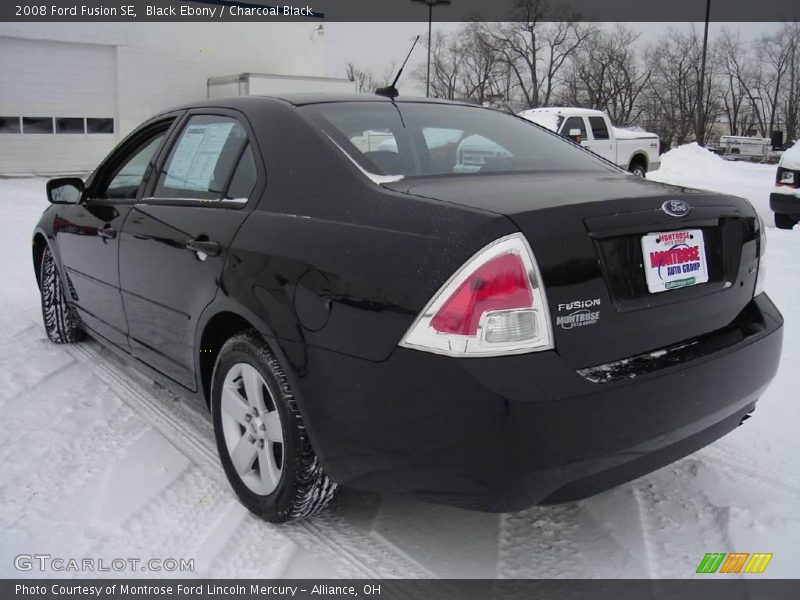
(787,178)
(495,304)
(762,249)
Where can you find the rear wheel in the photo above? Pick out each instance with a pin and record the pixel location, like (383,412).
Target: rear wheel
(262,441)
(60,321)
(637,168)
(784,221)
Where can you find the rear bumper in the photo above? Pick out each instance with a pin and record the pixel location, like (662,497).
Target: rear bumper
(501,434)
(785,203)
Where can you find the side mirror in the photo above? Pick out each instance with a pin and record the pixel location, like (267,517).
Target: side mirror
(65,190)
(575,135)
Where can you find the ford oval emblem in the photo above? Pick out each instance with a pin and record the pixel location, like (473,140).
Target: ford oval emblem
(676,208)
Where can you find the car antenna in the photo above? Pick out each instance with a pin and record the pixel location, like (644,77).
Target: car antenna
(390,91)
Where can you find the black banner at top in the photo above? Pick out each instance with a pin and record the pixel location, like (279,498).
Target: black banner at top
(399,10)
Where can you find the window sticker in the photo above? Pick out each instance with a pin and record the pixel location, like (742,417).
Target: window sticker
(196,155)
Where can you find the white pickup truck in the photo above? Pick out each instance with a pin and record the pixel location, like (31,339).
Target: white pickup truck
(636,151)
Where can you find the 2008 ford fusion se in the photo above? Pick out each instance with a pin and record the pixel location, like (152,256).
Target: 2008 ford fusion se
(412,296)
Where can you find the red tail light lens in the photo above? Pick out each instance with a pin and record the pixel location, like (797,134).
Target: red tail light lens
(493,305)
(500,284)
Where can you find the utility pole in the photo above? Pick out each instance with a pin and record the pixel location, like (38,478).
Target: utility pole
(700,121)
(431,4)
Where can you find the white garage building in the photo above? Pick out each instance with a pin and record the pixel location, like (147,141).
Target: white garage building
(70,91)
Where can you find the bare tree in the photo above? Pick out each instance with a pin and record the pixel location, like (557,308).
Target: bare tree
(480,64)
(363,79)
(446,66)
(366,81)
(606,74)
(773,53)
(735,72)
(672,90)
(536,45)
(543,57)
(790,105)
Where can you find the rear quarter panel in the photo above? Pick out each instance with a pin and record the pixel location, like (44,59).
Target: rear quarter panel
(333,260)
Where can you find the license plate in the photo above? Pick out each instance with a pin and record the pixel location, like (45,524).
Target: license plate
(674,259)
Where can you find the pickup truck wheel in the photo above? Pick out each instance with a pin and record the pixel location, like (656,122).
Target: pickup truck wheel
(60,321)
(262,441)
(637,168)
(784,221)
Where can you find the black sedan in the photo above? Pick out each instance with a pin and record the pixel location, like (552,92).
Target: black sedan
(412,296)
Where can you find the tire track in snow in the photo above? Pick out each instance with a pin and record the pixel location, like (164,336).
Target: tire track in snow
(740,464)
(59,471)
(561,541)
(21,375)
(188,427)
(174,523)
(680,522)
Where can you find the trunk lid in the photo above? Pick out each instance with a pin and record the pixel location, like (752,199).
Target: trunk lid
(586,231)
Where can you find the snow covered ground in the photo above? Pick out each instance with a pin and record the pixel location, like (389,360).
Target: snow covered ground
(696,167)
(98,461)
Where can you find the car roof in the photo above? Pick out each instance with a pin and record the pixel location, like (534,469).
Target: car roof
(564,111)
(303,99)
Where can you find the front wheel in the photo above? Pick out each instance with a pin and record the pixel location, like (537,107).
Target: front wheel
(60,321)
(784,221)
(638,169)
(262,441)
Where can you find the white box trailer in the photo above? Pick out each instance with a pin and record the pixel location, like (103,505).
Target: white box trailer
(740,147)
(255,84)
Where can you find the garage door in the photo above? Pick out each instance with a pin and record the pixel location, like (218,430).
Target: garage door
(57,105)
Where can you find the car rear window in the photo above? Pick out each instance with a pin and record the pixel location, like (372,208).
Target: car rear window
(422,139)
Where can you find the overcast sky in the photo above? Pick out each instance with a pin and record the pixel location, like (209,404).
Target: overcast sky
(375,45)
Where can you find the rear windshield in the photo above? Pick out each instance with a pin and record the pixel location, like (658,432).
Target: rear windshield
(420,139)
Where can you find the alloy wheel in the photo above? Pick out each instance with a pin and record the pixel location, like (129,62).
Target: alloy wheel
(251,426)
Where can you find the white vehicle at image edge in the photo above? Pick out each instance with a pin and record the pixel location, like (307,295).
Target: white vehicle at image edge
(785,197)
(636,151)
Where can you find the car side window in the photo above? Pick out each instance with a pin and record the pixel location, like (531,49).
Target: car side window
(202,160)
(599,128)
(128,176)
(574,123)
(244,177)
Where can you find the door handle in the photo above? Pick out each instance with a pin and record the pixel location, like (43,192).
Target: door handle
(107,232)
(203,247)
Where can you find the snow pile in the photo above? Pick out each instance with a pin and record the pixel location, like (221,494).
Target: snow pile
(695,167)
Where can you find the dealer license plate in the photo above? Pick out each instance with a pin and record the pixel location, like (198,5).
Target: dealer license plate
(674,259)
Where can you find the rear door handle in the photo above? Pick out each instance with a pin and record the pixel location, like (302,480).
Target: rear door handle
(203,248)
(107,232)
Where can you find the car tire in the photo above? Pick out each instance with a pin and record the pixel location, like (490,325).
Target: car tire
(638,169)
(784,221)
(60,321)
(262,442)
